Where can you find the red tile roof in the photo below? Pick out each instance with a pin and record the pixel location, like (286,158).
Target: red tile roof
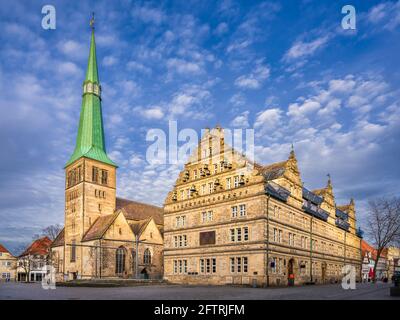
(40,246)
(3,249)
(366,247)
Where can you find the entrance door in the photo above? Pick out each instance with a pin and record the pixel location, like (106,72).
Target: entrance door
(291,272)
(144,274)
(323,272)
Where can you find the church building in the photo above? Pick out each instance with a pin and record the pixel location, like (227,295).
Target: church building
(229,220)
(103,236)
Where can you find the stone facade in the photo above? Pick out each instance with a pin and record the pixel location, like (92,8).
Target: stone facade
(230,221)
(103,236)
(8,264)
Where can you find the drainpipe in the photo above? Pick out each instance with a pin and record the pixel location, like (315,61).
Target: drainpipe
(311,248)
(268,240)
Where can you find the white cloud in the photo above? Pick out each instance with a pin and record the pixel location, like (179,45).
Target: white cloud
(69,68)
(137,66)
(254,79)
(385,15)
(73,49)
(267,120)
(109,61)
(149,15)
(183,67)
(221,29)
(302,49)
(152,113)
(241,120)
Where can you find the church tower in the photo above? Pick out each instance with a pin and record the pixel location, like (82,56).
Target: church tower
(90,185)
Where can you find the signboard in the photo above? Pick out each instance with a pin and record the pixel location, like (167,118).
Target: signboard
(207,238)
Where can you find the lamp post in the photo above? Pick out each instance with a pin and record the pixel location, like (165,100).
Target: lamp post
(137,241)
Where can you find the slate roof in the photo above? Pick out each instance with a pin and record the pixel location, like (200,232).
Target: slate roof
(344,208)
(99,227)
(273,171)
(139,211)
(40,246)
(59,240)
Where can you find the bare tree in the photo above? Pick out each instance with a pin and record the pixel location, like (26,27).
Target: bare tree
(50,231)
(383,224)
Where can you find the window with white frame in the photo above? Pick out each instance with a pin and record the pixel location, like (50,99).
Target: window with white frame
(239,234)
(180,241)
(207,216)
(245,233)
(228,183)
(210,187)
(215,168)
(242,210)
(236,181)
(234,211)
(195,174)
(180,266)
(239,264)
(233,235)
(203,189)
(180,221)
(208,265)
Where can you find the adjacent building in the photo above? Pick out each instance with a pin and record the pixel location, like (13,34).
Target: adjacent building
(31,265)
(228,220)
(103,236)
(8,264)
(393,260)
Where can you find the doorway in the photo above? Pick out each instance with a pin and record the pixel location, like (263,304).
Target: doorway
(291,272)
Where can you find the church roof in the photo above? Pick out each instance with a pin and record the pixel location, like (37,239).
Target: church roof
(134,210)
(99,227)
(60,239)
(90,142)
(139,226)
(40,246)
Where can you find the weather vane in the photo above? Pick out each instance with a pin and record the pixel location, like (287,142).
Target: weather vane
(91,23)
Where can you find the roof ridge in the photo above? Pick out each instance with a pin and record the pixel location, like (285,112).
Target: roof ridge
(146,204)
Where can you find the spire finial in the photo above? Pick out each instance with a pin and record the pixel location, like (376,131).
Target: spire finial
(91,23)
(329,179)
(292,155)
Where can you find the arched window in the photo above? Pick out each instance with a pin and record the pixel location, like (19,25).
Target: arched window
(120,260)
(147,256)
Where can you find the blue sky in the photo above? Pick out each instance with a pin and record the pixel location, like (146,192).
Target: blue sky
(285,68)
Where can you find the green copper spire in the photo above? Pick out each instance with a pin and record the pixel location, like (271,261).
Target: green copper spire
(90,140)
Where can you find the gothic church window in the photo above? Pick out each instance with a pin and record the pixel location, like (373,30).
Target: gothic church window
(147,256)
(120,260)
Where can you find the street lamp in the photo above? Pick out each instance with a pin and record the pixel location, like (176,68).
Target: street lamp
(137,241)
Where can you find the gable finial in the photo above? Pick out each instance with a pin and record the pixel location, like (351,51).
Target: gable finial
(329,179)
(91,22)
(292,155)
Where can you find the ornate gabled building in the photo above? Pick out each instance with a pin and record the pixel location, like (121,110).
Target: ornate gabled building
(230,221)
(103,236)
